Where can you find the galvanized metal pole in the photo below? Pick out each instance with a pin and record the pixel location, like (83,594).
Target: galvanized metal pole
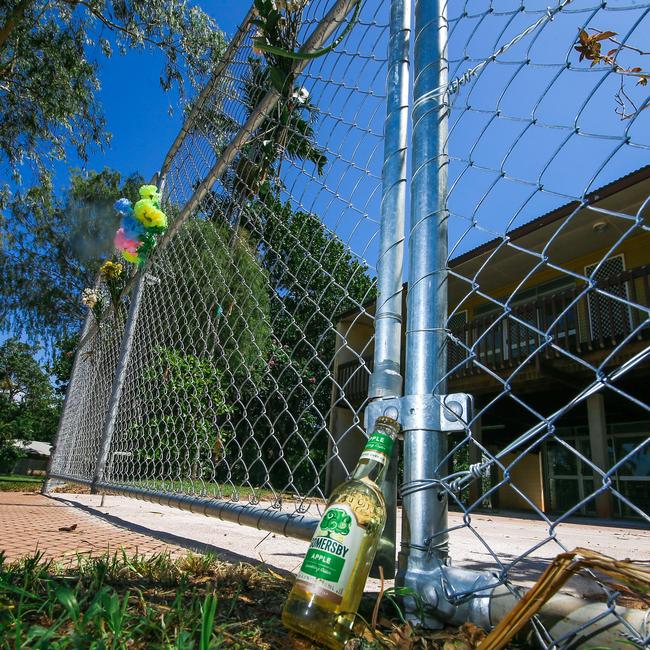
(424,542)
(386,379)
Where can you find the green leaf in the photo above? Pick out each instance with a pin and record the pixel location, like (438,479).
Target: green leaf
(68,599)
(278,78)
(209,609)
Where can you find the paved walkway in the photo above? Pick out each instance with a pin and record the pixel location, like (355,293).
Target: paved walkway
(30,522)
(492,542)
(525,546)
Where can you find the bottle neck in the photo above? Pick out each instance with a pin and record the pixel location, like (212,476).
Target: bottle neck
(371,470)
(375,458)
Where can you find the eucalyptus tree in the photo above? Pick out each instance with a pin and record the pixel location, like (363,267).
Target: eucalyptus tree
(50,55)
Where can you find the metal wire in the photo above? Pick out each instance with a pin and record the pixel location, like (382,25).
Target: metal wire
(228,391)
(548,317)
(248,372)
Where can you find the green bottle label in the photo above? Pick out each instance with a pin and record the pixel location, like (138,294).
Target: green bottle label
(378,448)
(332,554)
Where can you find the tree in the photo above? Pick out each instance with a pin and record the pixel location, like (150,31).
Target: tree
(280,428)
(229,315)
(50,52)
(29,409)
(51,248)
(183,401)
(60,368)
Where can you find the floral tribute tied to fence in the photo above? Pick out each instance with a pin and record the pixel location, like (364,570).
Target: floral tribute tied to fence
(265,315)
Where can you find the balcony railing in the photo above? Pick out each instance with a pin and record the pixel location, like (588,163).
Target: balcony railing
(352,379)
(570,320)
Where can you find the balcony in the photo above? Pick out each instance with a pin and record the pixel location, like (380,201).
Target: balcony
(579,325)
(554,326)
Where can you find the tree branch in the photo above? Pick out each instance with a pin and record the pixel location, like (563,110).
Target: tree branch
(116,27)
(14,17)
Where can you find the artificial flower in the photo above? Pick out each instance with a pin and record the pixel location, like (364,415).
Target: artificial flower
(133,258)
(148,241)
(111,270)
(149,192)
(289,5)
(123,243)
(148,214)
(301,95)
(123,207)
(89,297)
(132,228)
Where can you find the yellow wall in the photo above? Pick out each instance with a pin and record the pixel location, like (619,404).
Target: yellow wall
(634,250)
(526,474)
(635,253)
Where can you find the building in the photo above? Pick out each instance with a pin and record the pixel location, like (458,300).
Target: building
(588,329)
(35,457)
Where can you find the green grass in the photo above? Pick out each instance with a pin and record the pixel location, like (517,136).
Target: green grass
(224,491)
(20,483)
(122,602)
(194,602)
(20,478)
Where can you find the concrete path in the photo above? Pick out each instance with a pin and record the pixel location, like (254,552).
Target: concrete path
(486,542)
(30,522)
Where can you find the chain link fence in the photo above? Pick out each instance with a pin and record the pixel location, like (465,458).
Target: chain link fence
(229,387)
(248,365)
(542,141)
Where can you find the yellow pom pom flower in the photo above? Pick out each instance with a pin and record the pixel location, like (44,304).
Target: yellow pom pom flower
(111,270)
(148,214)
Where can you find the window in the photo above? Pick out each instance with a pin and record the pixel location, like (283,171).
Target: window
(608,316)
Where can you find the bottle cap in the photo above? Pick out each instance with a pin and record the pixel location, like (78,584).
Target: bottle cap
(388,422)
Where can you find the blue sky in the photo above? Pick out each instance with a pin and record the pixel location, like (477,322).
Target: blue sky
(347,198)
(137,109)
(504,170)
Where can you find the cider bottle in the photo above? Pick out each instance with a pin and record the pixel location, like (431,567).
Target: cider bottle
(325,597)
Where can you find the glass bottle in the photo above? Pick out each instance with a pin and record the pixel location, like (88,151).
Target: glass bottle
(325,597)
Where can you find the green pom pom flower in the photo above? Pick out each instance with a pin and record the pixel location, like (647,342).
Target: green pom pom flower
(150,192)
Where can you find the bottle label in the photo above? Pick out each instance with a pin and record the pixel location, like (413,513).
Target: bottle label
(378,448)
(332,554)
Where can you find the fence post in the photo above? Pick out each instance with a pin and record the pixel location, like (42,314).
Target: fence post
(386,379)
(49,483)
(424,537)
(120,373)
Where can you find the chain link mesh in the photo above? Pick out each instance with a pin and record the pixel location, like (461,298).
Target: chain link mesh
(548,287)
(253,347)
(229,388)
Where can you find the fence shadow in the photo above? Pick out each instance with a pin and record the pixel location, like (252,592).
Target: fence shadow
(170,538)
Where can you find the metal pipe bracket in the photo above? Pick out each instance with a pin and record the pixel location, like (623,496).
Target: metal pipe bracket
(443,413)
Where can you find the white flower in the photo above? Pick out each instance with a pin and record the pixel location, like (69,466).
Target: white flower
(89,297)
(288,5)
(295,5)
(301,96)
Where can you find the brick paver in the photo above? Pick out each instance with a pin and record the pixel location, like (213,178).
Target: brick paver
(30,522)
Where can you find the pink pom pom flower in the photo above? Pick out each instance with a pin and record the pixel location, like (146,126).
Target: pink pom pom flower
(123,243)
